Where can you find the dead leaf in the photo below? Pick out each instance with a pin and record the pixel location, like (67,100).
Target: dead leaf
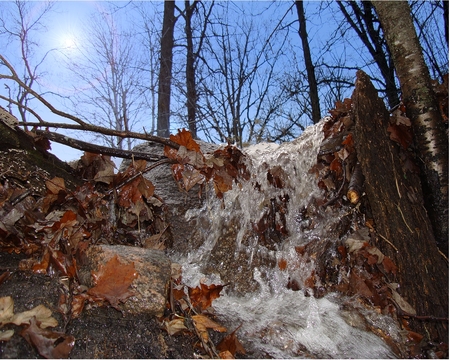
(40,313)
(202,323)
(231,344)
(401,302)
(113,281)
(375,251)
(175,326)
(184,138)
(401,134)
(203,296)
(6,309)
(55,185)
(50,344)
(6,335)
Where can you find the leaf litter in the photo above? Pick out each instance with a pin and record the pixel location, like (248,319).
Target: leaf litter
(55,229)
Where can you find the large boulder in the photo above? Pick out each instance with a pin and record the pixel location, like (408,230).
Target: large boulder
(183,231)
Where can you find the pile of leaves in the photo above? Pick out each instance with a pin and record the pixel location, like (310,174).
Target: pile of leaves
(55,229)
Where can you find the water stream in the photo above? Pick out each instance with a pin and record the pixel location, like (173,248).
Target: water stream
(276,321)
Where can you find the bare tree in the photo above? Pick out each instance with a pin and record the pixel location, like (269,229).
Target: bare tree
(165,69)
(312,82)
(20,22)
(428,22)
(240,88)
(192,55)
(107,70)
(423,110)
(150,39)
(361,17)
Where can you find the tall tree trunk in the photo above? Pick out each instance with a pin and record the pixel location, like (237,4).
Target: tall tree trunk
(423,110)
(403,229)
(165,71)
(445,6)
(191,94)
(312,82)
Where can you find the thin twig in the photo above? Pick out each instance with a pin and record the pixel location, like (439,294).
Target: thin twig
(398,207)
(385,239)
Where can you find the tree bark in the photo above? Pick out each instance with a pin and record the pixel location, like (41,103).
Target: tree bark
(165,71)
(403,229)
(312,81)
(191,94)
(423,110)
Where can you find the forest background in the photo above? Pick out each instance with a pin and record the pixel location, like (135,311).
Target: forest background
(241,72)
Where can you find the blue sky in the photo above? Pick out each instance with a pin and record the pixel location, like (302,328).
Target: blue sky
(67,24)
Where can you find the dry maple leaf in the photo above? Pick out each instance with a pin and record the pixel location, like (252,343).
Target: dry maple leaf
(184,138)
(113,281)
(203,296)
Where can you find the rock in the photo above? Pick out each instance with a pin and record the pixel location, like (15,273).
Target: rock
(150,286)
(184,235)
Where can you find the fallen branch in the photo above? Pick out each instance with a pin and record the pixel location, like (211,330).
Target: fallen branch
(97,149)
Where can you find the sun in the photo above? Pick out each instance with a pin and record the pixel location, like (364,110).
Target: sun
(68,41)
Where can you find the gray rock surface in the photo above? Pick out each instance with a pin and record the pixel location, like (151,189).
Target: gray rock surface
(150,286)
(184,234)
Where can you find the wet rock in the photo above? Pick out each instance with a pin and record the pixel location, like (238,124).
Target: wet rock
(183,230)
(150,286)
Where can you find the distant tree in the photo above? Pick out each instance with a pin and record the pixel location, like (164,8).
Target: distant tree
(20,23)
(312,81)
(240,91)
(423,110)
(192,55)
(165,69)
(107,70)
(427,19)
(151,39)
(362,18)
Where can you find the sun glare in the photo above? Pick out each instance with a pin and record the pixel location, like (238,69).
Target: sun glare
(68,41)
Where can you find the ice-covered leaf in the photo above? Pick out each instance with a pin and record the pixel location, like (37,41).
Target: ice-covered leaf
(113,281)
(50,344)
(192,177)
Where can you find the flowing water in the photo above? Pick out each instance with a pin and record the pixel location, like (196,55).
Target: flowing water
(274,320)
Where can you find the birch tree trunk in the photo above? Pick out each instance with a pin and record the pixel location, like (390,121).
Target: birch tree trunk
(422,108)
